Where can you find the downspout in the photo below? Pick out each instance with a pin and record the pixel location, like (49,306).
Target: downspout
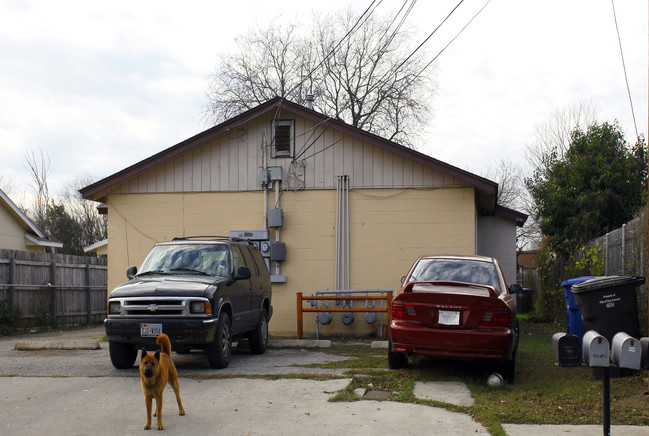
(277,236)
(342,233)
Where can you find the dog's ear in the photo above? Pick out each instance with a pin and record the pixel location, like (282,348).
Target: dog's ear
(157,355)
(144,353)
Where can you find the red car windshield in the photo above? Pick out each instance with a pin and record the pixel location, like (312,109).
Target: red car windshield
(455,270)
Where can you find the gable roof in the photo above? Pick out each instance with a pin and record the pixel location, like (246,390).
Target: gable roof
(486,189)
(33,233)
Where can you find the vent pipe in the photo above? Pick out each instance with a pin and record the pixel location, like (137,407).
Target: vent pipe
(309,101)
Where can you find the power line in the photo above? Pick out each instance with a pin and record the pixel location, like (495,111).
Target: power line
(333,50)
(626,79)
(451,41)
(429,36)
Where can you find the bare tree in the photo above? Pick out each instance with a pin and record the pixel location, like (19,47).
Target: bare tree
(93,226)
(513,194)
(270,62)
(552,138)
(39,166)
(7,185)
(555,134)
(510,182)
(361,70)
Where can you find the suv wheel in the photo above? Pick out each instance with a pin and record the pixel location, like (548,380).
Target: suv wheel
(259,337)
(219,350)
(122,355)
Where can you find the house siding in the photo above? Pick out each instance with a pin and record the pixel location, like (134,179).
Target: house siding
(389,229)
(12,235)
(495,239)
(233,163)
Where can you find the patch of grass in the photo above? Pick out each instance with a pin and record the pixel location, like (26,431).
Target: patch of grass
(301,376)
(547,394)
(542,394)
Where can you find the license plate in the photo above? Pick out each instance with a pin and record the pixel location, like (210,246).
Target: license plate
(448,317)
(150,330)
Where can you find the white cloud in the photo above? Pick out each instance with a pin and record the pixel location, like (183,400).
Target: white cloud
(100,86)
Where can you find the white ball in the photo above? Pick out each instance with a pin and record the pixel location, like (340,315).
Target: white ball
(495,380)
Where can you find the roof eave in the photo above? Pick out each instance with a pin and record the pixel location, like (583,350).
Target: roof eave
(43,242)
(486,189)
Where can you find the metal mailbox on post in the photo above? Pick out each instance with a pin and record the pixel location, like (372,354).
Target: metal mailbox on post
(626,351)
(596,351)
(644,346)
(566,349)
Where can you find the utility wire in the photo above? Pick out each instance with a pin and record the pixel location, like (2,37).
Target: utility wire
(451,41)
(626,79)
(362,18)
(429,36)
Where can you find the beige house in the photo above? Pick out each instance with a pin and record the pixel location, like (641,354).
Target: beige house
(18,232)
(352,210)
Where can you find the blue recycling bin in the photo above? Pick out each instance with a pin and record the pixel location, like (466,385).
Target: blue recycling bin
(574,323)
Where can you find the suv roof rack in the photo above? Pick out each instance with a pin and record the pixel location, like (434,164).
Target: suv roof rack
(213,238)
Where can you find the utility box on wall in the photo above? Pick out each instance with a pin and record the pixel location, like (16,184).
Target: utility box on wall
(277,251)
(276,218)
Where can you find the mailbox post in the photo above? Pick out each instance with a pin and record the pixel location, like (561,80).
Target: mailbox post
(625,352)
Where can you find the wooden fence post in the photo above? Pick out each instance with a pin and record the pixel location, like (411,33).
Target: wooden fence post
(51,290)
(87,292)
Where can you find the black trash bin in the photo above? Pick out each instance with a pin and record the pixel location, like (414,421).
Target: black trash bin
(609,305)
(525,300)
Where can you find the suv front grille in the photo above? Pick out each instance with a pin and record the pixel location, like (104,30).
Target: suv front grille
(156,307)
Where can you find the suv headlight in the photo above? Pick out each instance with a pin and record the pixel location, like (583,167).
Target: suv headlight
(200,307)
(114,307)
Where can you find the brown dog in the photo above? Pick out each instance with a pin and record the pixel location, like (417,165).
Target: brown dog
(156,370)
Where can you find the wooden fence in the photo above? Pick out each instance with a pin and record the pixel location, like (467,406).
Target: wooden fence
(41,289)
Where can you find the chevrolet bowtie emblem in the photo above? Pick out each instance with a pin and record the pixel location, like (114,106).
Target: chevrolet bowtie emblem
(153,307)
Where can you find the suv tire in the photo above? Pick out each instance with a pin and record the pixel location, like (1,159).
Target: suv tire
(258,339)
(219,351)
(122,355)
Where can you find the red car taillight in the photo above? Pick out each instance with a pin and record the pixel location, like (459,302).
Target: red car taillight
(403,310)
(496,317)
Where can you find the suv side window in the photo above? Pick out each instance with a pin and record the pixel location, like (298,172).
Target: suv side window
(259,261)
(237,258)
(254,268)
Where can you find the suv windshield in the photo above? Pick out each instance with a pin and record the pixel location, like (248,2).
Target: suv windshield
(455,270)
(211,259)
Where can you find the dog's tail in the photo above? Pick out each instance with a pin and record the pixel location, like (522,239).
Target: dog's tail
(165,344)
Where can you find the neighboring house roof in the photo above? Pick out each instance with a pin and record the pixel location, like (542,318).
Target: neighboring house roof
(527,259)
(512,214)
(486,189)
(94,248)
(33,233)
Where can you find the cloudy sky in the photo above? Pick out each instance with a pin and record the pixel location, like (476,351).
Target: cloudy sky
(99,86)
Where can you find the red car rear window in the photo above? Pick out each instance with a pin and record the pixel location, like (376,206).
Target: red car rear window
(455,270)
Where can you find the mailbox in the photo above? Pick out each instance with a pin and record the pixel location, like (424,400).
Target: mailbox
(596,351)
(566,349)
(626,351)
(644,346)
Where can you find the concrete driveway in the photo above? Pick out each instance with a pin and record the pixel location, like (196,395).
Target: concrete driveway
(78,392)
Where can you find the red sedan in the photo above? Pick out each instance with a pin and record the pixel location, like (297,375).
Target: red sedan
(456,307)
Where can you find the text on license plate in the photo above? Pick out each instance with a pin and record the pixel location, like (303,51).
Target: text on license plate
(449,317)
(150,330)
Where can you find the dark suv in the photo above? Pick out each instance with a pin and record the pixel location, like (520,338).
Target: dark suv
(203,292)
